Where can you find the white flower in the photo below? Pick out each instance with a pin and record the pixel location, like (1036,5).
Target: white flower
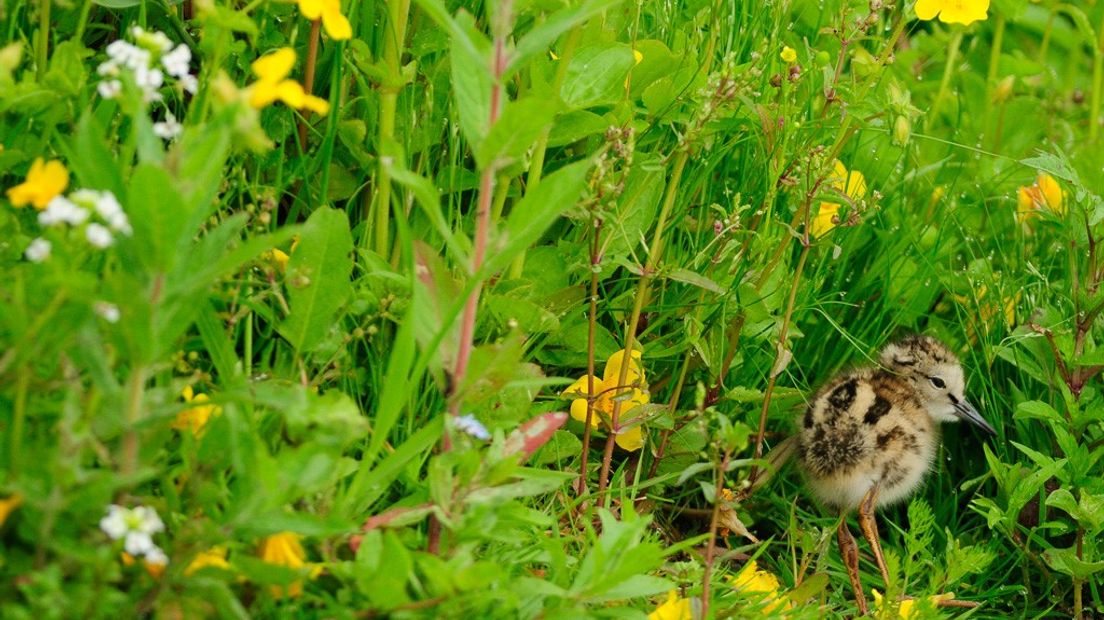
(176,62)
(61,210)
(157,556)
(109,89)
(168,129)
(472,426)
(38,250)
(107,311)
(109,209)
(98,235)
(189,83)
(136,526)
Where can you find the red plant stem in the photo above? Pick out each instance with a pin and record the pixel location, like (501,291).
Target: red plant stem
(308,79)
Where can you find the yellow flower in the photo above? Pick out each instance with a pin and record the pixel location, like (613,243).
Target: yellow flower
(7,506)
(272,84)
(215,557)
(45,180)
(284,549)
(851,184)
(336,25)
(1044,195)
(195,418)
(953,11)
(751,580)
(788,55)
(607,392)
(906,608)
(675,608)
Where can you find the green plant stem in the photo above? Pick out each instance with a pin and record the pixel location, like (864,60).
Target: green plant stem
(82,21)
(42,47)
(398,12)
(948,72)
(592,327)
(536,167)
(1098,85)
(711,545)
(132,416)
(19,418)
(654,254)
(308,79)
(995,54)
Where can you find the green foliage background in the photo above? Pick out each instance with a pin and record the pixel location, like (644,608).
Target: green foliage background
(662,152)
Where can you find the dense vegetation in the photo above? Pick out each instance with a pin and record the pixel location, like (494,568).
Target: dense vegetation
(296,298)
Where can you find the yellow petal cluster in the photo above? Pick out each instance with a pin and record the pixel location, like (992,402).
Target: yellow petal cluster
(906,609)
(752,580)
(336,24)
(195,418)
(272,84)
(215,557)
(607,392)
(1043,195)
(45,180)
(788,55)
(674,608)
(953,11)
(8,506)
(285,549)
(849,183)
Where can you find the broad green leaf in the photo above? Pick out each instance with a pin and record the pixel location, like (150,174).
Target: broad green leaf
(540,39)
(1066,562)
(318,278)
(597,75)
(471,83)
(521,123)
(158,216)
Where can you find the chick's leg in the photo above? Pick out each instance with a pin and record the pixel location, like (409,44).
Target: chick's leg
(870,530)
(849,552)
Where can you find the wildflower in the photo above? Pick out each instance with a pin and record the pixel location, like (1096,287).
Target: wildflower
(45,180)
(285,549)
(788,55)
(107,206)
(176,62)
(99,236)
(154,562)
(751,580)
(107,311)
(143,62)
(674,608)
(277,257)
(963,12)
(851,184)
(168,129)
(906,608)
(607,392)
(215,557)
(470,425)
(195,418)
(38,250)
(336,25)
(135,525)
(272,85)
(61,210)
(1044,195)
(8,506)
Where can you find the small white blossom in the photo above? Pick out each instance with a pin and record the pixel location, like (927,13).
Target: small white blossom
(189,83)
(107,311)
(168,129)
(176,62)
(38,250)
(157,556)
(136,526)
(109,89)
(99,236)
(470,425)
(61,210)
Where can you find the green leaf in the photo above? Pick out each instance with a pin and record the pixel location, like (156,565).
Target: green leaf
(1066,562)
(318,278)
(521,123)
(597,75)
(695,279)
(540,39)
(158,216)
(471,82)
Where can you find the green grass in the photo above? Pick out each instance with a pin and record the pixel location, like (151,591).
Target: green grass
(441,254)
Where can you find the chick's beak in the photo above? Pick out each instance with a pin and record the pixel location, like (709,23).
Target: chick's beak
(965,411)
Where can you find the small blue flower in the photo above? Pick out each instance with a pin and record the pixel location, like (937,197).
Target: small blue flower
(472,426)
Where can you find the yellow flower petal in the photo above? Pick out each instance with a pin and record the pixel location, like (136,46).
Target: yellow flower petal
(631,439)
(674,608)
(823,221)
(195,418)
(336,25)
(45,180)
(752,580)
(291,93)
(612,374)
(311,9)
(928,9)
(579,405)
(316,105)
(1051,193)
(788,55)
(215,557)
(275,66)
(953,11)
(637,56)
(856,185)
(8,505)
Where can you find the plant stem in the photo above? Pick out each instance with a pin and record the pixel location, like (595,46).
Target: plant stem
(398,12)
(19,417)
(1098,85)
(43,40)
(948,71)
(132,415)
(994,55)
(592,328)
(308,79)
(82,21)
(656,251)
(711,546)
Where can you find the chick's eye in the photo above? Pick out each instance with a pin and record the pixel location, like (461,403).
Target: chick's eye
(937,382)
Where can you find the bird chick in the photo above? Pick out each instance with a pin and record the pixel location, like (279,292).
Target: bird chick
(870,435)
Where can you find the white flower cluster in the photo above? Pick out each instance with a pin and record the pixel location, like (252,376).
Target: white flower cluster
(148,61)
(136,526)
(75,211)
